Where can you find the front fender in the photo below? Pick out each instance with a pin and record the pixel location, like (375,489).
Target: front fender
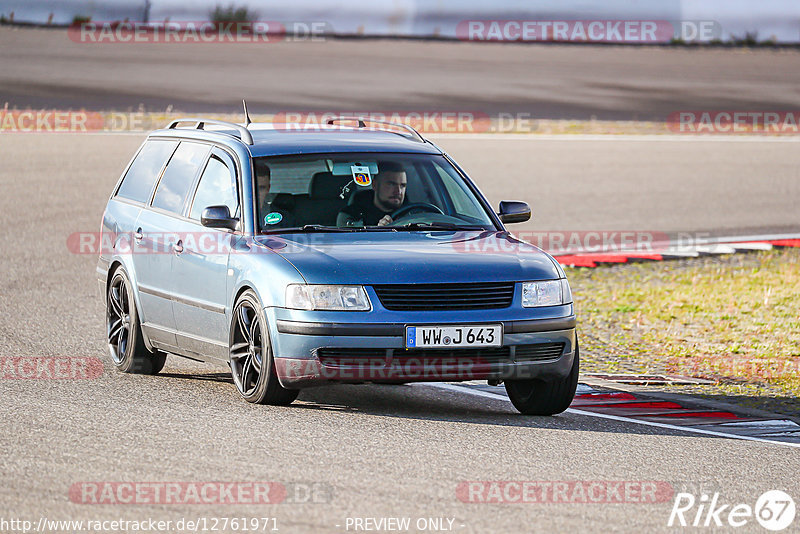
(261,269)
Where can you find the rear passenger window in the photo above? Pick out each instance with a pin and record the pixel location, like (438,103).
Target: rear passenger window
(179,176)
(217,188)
(143,172)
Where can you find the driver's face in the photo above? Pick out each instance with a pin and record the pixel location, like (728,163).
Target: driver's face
(390,190)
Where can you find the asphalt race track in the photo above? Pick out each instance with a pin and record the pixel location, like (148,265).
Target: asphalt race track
(669,184)
(360,451)
(43,68)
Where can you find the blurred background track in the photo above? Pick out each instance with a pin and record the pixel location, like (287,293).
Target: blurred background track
(43,68)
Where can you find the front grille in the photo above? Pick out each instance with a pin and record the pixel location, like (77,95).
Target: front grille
(422,297)
(539,351)
(487,355)
(377,357)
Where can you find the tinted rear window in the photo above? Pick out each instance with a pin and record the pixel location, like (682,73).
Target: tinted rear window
(179,176)
(143,173)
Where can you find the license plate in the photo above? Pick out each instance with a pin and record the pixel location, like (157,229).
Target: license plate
(454,336)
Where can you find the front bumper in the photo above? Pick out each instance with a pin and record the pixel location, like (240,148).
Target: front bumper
(375,352)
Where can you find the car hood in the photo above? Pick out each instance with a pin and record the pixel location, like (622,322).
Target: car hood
(368,258)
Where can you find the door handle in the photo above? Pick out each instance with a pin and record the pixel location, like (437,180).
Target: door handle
(178,247)
(138,234)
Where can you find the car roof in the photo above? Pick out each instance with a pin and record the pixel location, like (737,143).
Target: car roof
(280,140)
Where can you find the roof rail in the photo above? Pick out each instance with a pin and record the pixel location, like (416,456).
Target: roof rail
(244,133)
(362,123)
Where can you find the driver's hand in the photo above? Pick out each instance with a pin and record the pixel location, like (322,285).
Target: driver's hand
(385,220)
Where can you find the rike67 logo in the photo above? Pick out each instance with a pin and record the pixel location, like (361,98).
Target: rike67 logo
(774,510)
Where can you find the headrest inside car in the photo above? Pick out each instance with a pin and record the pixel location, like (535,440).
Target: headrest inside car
(326,185)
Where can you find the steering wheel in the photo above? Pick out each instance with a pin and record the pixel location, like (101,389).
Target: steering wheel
(424,206)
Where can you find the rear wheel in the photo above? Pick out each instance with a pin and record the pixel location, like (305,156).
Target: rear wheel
(252,364)
(540,397)
(123,330)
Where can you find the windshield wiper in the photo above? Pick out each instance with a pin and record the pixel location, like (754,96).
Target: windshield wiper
(437,226)
(309,228)
(376,228)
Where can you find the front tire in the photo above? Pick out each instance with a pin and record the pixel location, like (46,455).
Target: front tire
(123,330)
(539,397)
(251,360)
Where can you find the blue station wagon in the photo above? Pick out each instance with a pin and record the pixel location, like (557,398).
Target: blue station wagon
(350,252)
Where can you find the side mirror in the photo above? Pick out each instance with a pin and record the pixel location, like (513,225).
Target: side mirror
(218,217)
(512,211)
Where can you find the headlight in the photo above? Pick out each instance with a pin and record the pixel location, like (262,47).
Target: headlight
(546,293)
(324,297)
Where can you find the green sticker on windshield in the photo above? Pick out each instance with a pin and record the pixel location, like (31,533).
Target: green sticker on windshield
(273,218)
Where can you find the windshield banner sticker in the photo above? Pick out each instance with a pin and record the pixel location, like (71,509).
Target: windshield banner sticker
(361,175)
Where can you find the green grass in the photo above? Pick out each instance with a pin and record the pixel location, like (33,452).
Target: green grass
(734,319)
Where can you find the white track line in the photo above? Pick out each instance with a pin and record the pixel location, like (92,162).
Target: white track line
(479,393)
(719,248)
(673,254)
(781,424)
(746,238)
(752,246)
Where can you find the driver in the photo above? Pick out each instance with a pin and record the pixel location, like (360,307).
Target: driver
(388,194)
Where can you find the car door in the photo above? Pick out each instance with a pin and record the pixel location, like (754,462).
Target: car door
(200,269)
(132,195)
(156,235)
(139,185)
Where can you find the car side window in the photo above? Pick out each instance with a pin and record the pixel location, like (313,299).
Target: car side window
(178,178)
(145,170)
(217,187)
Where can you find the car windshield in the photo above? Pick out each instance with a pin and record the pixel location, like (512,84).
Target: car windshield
(364,192)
